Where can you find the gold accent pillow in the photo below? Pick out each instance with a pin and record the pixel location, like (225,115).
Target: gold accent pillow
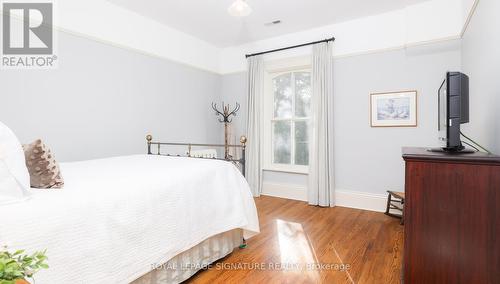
(43,168)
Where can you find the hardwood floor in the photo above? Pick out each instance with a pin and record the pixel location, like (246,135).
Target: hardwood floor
(294,234)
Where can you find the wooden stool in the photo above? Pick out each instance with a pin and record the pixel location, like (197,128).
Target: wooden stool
(397,204)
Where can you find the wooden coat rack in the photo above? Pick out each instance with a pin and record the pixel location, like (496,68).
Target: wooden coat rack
(226,115)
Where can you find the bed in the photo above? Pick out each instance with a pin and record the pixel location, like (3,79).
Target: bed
(130,219)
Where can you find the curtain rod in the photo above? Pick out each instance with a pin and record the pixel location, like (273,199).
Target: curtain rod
(290,47)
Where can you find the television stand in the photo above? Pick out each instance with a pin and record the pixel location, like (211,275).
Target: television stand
(452,150)
(451,217)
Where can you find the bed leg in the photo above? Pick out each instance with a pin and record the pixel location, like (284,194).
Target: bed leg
(244,244)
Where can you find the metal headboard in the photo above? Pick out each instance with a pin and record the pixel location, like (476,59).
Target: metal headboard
(158,146)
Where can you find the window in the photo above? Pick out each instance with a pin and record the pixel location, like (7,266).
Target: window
(288,111)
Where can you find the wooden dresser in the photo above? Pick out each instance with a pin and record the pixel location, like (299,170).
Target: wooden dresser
(452,217)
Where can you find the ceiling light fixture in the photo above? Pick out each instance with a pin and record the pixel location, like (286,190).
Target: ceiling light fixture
(239,8)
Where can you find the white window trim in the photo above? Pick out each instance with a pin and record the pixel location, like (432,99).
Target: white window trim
(273,68)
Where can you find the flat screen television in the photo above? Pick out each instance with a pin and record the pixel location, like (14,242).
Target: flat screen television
(453,110)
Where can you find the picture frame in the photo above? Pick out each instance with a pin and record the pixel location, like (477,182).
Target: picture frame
(394,109)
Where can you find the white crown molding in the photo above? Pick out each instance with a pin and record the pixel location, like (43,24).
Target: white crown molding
(417,25)
(136,50)
(469,18)
(109,24)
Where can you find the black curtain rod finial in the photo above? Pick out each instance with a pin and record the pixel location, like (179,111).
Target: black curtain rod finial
(290,47)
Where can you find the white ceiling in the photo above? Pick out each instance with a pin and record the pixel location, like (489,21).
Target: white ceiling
(209,20)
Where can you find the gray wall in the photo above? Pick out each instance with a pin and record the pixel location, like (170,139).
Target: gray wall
(481,61)
(369,159)
(103,100)
(233,89)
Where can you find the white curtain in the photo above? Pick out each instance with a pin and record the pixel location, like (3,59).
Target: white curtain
(321,188)
(255,106)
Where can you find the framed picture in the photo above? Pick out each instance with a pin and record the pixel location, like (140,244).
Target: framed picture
(394,109)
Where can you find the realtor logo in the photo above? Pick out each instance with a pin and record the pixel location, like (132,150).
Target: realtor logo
(27,35)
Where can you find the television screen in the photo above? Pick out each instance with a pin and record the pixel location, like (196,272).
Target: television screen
(443,114)
(453,110)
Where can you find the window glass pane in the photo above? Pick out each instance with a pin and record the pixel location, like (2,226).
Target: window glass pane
(282,142)
(283,96)
(301,143)
(302,94)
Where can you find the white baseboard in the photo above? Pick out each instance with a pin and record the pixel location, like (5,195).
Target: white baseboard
(344,198)
(288,191)
(361,200)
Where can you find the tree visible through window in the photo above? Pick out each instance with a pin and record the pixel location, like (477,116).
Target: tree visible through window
(290,120)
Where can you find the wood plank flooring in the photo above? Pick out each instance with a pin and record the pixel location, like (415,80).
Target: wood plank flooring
(295,236)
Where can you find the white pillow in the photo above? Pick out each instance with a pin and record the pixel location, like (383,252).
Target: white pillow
(14,175)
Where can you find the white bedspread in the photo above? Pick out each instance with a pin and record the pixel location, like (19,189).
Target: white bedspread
(117,217)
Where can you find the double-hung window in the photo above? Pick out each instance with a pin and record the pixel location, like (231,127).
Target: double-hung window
(287,115)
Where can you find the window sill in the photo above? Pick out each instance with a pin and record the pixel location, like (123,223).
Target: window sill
(287,170)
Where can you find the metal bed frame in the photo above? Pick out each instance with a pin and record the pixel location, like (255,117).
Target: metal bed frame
(242,146)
